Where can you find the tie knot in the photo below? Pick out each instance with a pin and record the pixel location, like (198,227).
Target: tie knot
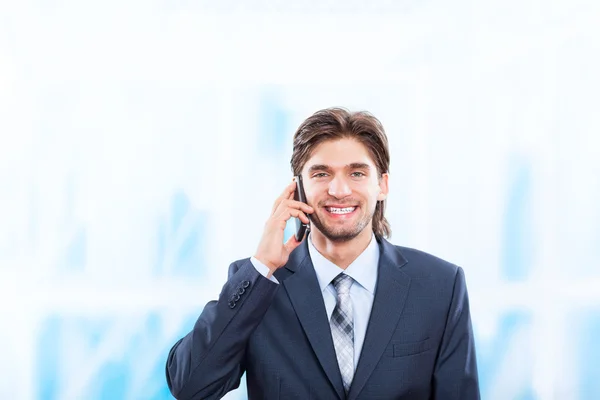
(342,283)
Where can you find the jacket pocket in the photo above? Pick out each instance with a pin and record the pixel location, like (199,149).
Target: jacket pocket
(407,349)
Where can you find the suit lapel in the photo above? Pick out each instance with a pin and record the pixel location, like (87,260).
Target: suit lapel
(390,295)
(306,298)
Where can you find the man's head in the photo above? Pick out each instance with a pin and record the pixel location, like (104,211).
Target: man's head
(343,158)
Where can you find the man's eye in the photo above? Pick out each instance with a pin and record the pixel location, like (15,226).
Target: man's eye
(319,175)
(358,174)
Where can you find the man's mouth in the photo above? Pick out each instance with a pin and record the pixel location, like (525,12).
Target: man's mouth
(340,210)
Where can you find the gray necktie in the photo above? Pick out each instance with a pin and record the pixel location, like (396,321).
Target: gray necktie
(342,328)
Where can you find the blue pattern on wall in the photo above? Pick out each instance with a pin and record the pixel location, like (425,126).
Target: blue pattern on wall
(181,236)
(588,354)
(274,126)
(141,352)
(518,245)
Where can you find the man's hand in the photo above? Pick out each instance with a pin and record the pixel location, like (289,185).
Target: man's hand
(271,250)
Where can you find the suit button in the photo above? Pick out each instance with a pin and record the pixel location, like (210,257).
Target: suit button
(245,284)
(235,297)
(241,290)
(231,304)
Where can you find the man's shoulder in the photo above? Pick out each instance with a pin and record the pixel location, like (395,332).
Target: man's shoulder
(423,264)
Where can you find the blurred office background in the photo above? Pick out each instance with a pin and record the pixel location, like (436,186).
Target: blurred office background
(143,143)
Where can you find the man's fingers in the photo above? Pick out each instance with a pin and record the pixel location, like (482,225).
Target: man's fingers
(298,205)
(292,205)
(288,193)
(289,190)
(288,212)
(301,215)
(291,244)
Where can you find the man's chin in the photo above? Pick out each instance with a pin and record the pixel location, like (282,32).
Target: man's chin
(343,232)
(340,235)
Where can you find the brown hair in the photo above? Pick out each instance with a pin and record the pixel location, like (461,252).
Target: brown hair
(338,123)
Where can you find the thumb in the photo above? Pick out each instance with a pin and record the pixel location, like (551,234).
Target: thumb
(291,244)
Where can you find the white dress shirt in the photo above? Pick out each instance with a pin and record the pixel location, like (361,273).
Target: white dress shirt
(364,272)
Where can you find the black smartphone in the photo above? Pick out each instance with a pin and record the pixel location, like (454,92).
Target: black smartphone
(299,195)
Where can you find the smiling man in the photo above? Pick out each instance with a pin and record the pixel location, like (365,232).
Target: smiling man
(343,313)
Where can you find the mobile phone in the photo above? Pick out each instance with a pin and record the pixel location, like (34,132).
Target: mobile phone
(299,195)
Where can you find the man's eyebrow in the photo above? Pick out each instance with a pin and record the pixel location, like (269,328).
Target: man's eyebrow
(359,166)
(319,167)
(323,167)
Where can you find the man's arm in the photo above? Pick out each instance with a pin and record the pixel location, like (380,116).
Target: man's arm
(455,376)
(208,362)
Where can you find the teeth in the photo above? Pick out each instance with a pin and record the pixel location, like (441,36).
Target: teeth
(345,210)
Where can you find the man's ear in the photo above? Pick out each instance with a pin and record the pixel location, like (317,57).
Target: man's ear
(383,187)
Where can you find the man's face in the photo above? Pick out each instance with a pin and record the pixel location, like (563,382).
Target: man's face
(343,186)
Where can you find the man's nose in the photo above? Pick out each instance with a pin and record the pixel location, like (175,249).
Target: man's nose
(339,188)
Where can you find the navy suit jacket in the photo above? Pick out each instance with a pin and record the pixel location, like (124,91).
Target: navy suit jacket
(418,345)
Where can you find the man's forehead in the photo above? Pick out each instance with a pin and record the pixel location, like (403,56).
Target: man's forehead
(340,153)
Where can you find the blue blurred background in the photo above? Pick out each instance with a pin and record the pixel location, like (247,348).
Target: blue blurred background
(143,143)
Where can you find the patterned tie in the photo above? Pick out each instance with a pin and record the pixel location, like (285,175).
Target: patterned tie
(342,328)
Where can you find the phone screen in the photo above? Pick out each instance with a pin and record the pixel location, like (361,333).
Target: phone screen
(299,195)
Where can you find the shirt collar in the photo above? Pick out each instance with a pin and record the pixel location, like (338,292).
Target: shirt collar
(363,270)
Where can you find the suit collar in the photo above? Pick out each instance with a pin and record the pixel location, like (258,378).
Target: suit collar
(300,281)
(307,299)
(297,257)
(390,296)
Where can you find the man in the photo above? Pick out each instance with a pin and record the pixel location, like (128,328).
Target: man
(342,314)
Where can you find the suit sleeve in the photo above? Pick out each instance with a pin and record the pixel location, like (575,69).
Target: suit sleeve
(209,361)
(455,376)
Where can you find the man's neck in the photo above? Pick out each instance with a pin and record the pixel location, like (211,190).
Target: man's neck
(341,254)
